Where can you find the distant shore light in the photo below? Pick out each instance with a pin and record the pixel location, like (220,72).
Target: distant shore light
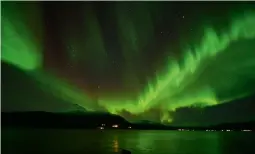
(115,126)
(246,130)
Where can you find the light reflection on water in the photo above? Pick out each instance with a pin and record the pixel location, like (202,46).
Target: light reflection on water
(116,144)
(138,142)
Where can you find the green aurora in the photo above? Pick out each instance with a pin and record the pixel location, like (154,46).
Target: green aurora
(210,71)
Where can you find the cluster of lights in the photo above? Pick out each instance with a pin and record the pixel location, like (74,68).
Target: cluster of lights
(115,126)
(184,130)
(228,130)
(211,130)
(208,130)
(246,130)
(102,126)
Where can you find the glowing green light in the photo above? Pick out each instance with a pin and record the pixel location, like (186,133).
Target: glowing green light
(210,72)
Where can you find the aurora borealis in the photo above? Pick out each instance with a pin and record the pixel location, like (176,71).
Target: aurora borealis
(143,59)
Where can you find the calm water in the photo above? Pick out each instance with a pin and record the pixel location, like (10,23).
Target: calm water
(139,142)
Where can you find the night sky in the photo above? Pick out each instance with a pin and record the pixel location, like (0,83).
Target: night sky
(190,63)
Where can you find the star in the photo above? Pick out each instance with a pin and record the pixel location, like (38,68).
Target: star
(183,17)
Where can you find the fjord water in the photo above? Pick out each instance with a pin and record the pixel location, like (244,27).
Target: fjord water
(137,141)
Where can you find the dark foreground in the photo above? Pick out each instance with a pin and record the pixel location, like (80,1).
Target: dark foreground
(78,141)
